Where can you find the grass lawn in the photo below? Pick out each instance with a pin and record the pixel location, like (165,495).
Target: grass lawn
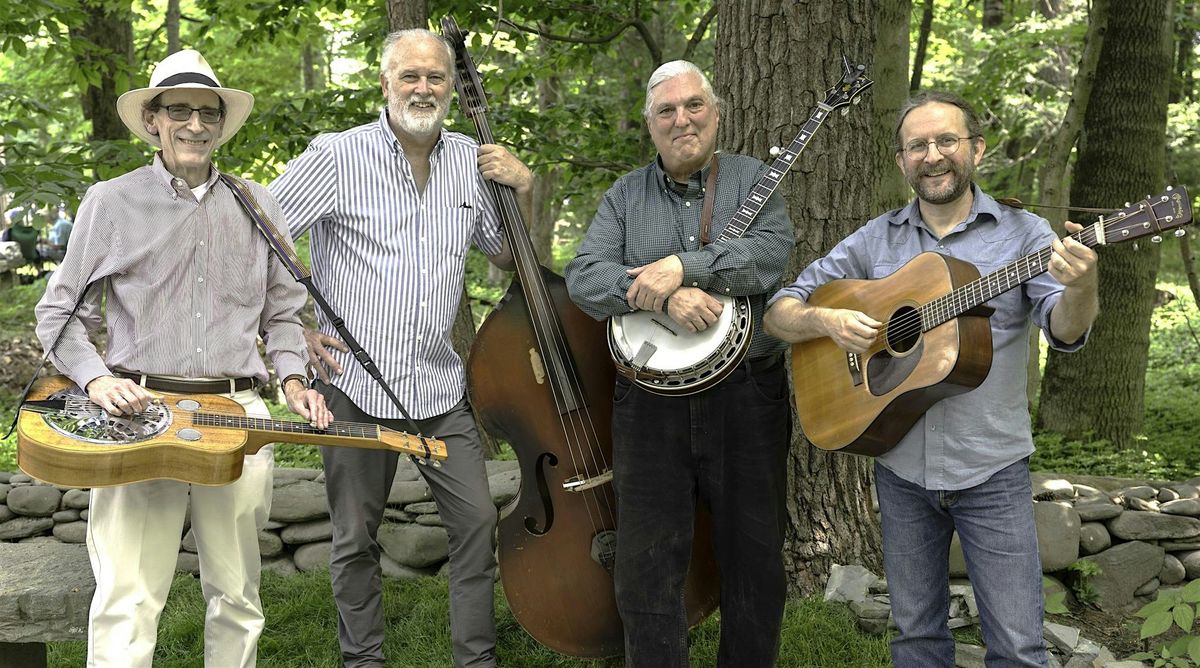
(301,631)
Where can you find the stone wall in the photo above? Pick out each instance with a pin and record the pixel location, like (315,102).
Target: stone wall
(297,537)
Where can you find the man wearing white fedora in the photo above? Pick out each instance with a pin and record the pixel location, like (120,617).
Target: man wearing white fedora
(190,285)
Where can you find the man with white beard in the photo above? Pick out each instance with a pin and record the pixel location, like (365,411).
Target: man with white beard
(393,206)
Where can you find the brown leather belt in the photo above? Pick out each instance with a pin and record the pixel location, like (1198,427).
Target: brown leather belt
(224,386)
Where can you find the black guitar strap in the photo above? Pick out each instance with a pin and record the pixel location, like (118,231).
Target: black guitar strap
(287,255)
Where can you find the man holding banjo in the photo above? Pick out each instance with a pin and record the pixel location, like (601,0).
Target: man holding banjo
(724,445)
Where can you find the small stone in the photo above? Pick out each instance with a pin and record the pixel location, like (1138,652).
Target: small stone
(269,544)
(1087,492)
(431,520)
(83,514)
(1144,492)
(1094,510)
(71,532)
(1189,507)
(6,514)
(307,532)
(187,562)
(189,542)
(423,508)
(18,478)
(1148,588)
(406,492)
(1065,638)
(63,516)
(1134,503)
(34,500)
(280,566)
(870,609)
(848,583)
(1172,571)
(1053,490)
(4,488)
(24,527)
(77,499)
(313,557)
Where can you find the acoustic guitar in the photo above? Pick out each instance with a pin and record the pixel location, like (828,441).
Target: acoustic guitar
(65,439)
(936,340)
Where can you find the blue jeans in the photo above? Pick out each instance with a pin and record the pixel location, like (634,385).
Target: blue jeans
(995,526)
(726,446)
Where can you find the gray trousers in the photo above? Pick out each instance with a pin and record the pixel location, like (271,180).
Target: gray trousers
(357,482)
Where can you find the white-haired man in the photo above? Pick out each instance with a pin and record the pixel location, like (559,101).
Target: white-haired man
(725,446)
(190,285)
(393,206)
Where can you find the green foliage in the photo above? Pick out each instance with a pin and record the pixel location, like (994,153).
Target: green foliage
(301,630)
(1173,608)
(1081,574)
(1056,599)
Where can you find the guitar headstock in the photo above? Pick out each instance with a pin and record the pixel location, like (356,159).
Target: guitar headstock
(850,87)
(467,83)
(1170,210)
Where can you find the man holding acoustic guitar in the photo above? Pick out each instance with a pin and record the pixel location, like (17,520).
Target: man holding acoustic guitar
(725,446)
(963,465)
(189,284)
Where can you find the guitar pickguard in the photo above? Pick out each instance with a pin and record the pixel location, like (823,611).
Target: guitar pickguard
(885,372)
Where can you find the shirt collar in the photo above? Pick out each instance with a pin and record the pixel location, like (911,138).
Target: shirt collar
(390,139)
(160,170)
(982,204)
(695,182)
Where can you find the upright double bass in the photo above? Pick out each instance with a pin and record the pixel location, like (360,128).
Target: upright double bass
(541,378)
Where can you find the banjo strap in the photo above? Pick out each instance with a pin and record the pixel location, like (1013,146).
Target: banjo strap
(710,190)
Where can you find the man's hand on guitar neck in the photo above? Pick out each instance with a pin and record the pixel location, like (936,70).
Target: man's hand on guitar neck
(308,404)
(694,308)
(119,396)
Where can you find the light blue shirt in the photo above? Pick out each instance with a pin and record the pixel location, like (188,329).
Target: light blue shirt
(962,440)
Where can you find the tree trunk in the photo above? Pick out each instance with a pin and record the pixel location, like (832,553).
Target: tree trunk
(312,67)
(888,93)
(172,25)
(404,14)
(1184,85)
(922,44)
(1121,158)
(774,60)
(993,14)
(1052,177)
(106,41)
(547,203)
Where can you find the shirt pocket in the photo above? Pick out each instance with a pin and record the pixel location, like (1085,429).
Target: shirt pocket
(451,229)
(240,274)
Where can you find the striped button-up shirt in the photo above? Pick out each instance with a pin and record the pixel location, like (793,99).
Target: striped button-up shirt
(644,217)
(962,440)
(389,258)
(189,285)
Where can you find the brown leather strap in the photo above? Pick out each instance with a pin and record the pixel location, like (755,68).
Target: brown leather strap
(710,190)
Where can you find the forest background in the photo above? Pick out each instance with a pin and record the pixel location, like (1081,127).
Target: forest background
(1089,103)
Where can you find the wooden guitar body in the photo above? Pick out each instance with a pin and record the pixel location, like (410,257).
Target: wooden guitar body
(863,404)
(196,438)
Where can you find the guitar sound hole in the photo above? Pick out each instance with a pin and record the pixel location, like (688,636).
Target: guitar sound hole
(904,330)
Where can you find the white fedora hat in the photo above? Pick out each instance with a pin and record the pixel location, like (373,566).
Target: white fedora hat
(184,69)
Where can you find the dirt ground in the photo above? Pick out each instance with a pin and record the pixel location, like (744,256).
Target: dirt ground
(1119,633)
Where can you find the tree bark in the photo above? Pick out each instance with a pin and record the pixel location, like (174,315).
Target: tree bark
(888,93)
(172,24)
(106,37)
(774,60)
(405,14)
(922,44)
(1121,158)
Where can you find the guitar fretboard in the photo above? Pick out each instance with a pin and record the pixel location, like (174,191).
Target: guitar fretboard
(769,183)
(344,429)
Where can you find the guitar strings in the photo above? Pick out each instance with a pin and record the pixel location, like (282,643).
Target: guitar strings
(949,306)
(549,342)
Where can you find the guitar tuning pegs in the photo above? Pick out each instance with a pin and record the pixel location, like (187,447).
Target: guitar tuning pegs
(1127,205)
(1156,239)
(775,150)
(1135,246)
(845,111)
(856,99)
(1180,232)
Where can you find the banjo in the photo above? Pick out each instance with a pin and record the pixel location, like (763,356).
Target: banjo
(662,356)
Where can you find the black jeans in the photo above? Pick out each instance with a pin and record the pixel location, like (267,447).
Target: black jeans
(726,446)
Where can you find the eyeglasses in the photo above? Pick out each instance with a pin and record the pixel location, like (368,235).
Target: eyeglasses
(946,145)
(182,112)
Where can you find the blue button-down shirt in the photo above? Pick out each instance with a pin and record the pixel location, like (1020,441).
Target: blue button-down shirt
(964,439)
